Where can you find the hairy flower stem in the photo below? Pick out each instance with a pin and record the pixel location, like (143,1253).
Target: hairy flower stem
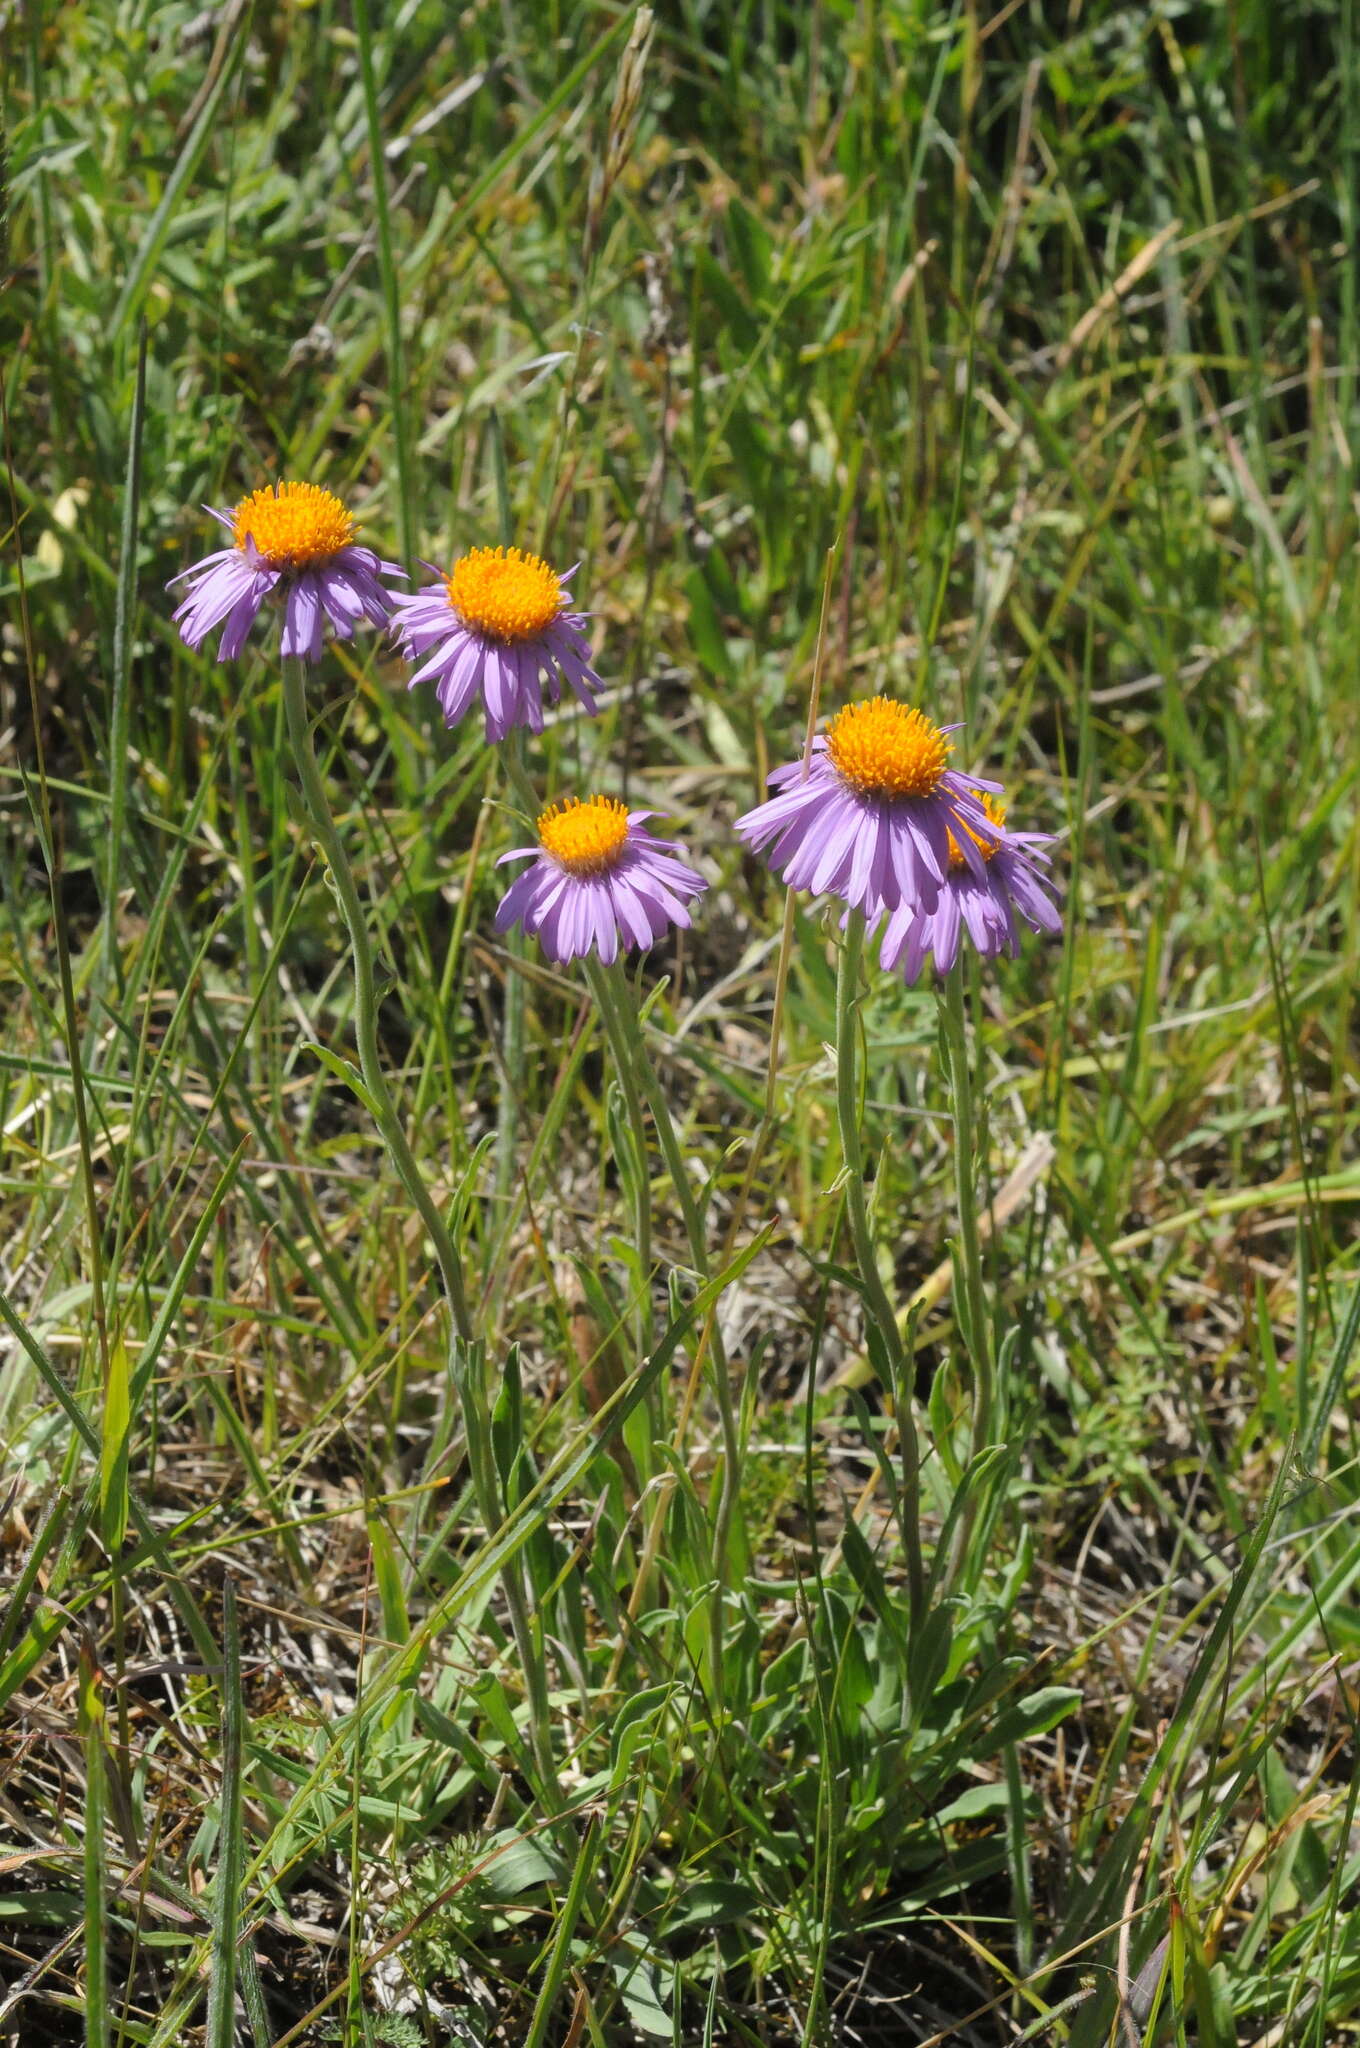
(880,1308)
(365,996)
(481,1458)
(976,1320)
(965,1191)
(642,1211)
(512,1039)
(615,999)
(626,1071)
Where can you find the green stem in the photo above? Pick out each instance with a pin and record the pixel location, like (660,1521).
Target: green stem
(626,1068)
(642,1215)
(513,760)
(978,1322)
(365,995)
(880,1308)
(481,1458)
(512,1030)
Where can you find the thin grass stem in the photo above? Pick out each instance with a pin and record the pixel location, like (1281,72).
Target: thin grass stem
(120,714)
(391,286)
(96,1886)
(221,2026)
(617,1005)
(468,1365)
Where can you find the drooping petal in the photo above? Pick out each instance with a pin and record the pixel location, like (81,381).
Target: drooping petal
(499,650)
(632,913)
(301,636)
(240,619)
(290,538)
(874,817)
(516,900)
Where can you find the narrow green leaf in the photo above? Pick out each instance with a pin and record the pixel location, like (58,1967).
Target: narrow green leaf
(138,280)
(1036,1714)
(560,1954)
(520,1862)
(343,1070)
(125,611)
(387,1576)
(113,1448)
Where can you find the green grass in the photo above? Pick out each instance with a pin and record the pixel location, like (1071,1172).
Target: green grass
(1022,351)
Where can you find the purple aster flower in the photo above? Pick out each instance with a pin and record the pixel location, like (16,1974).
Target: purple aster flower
(292,544)
(869,821)
(599,882)
(982,905)
(490,629)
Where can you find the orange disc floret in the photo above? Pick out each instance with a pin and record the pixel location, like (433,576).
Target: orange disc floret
(585,835)
(996,811)
(887,749)
(505,593)
(293,525)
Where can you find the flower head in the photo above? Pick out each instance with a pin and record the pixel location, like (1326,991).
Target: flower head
(599,881)
(982,905)
(871,819)
(293,544)
(491,628)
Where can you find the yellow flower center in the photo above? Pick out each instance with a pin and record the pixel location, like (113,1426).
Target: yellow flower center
(996,811)
(887,749)
(505,593)
(585,835)
(293,525)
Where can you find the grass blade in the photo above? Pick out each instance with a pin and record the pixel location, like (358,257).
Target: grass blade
(96,1876)
(221,2027)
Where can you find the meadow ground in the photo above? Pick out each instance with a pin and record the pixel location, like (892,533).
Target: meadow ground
(608,1674)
